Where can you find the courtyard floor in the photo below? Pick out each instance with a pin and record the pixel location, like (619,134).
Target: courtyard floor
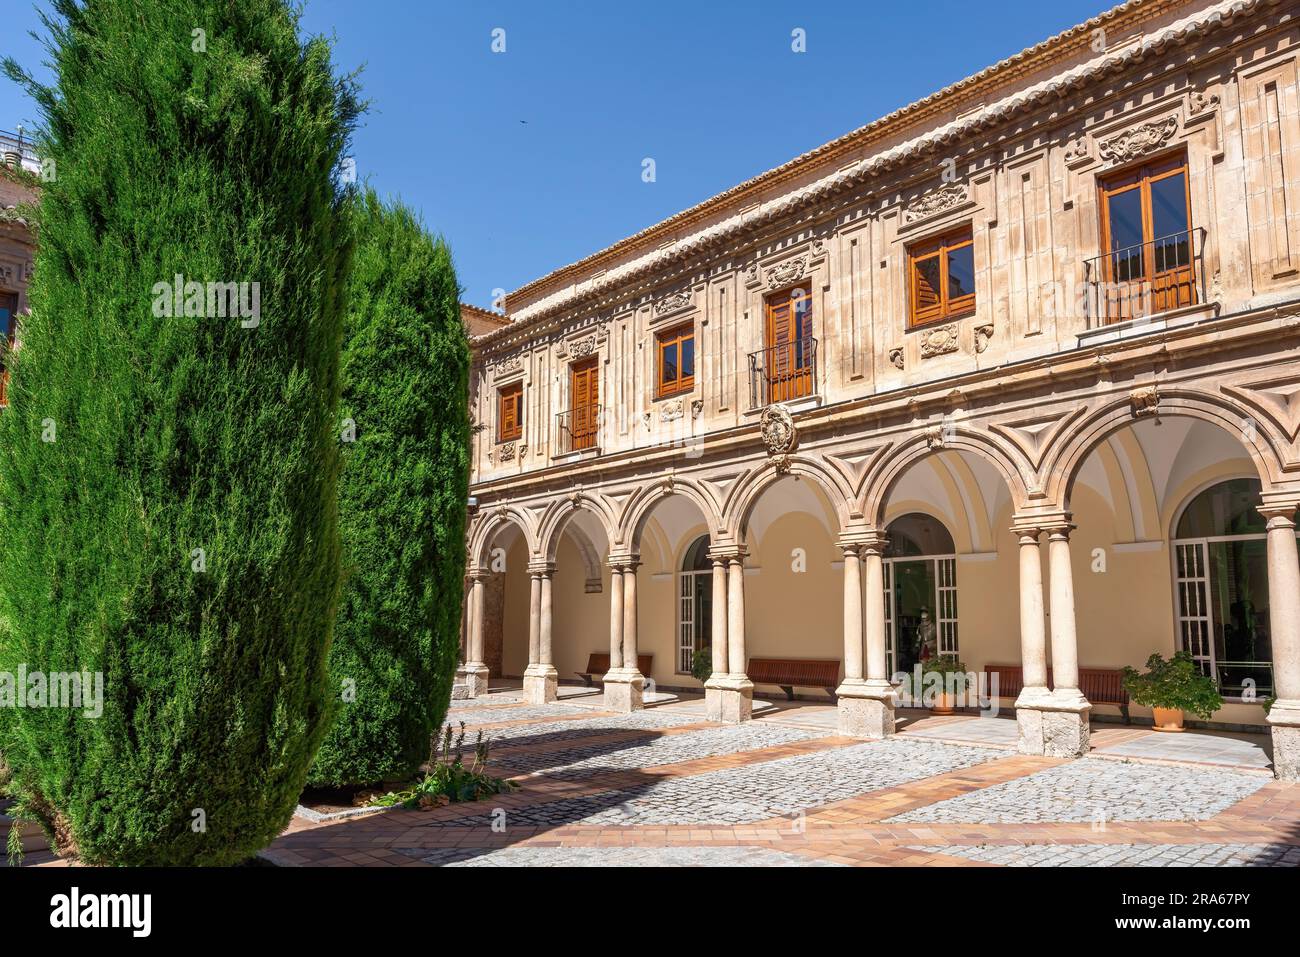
(664,786)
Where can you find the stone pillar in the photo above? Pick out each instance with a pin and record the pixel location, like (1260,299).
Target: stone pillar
(714,687)
(541,680)
(730,696)
(1065,728)
(1035,699)
(624,684)
(865,705)
(476,670)
(1284,621)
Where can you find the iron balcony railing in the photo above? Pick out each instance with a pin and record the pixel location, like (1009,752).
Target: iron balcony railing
(17,144)
(578,429)
(783,372)
(1145,279)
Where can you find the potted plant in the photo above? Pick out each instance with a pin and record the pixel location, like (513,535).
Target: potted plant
(702,665)
(952,678)
(1171,688)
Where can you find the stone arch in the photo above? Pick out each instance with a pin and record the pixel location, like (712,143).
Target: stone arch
(558,516)
(636,511)
(889,468)
(490,524)
(750,487)
(1062,462)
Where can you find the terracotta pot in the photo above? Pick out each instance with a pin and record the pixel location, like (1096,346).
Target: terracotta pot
(944,704)
(1168,719)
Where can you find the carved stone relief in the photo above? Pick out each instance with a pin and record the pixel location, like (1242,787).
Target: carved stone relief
(938,342)
(1138,141)
(937,201)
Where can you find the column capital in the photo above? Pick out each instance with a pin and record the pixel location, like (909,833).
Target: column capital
(541,567)
(478,573)
(1036,522)
(865,540)
(1280,510)
(624,561)
(728,552)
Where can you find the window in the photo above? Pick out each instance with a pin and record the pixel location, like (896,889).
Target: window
(676,361)
(943,278)
(694,605)
(1221,587)
(1146,241)
(788,362)
(8,326)
(510,418)
(584,417)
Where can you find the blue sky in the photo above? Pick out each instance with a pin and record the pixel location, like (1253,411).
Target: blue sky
(530,159)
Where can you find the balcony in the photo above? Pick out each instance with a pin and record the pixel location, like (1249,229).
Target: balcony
(1145,280)
(578,430)
(15,149)
(783,373)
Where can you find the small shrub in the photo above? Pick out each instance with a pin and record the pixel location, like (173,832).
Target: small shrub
(447,778)
(947,666)
(1176,683)
(702,665)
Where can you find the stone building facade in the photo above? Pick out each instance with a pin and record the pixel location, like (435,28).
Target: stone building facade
(1012,373)
(17,243)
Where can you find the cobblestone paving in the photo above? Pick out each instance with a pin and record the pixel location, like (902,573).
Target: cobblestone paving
(1126,855)
(1093,790)
(548,731)
(755,792)
(615,857)
(583,760)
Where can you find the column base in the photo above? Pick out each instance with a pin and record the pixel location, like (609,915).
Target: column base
(1284,718)
(1055,726)
(541,684)
(624,690)
(865,709)
(729,699)
(475,678)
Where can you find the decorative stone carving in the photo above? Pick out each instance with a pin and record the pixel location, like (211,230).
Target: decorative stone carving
(1077,152)
(671,411)
(818,247)
(1145,401)
(645,417)
(787,272)
(779,435)
(506,452)
(1139,141)
(673,302)
(583,347)
(937,201)
(510,364)
(983,333)
(1201,102)
(938,342)
(934,436)
(697,406)
(751,272)
(896,357)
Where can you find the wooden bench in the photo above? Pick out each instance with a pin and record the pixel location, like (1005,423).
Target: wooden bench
(1098,685)
(598,664)
(786,673)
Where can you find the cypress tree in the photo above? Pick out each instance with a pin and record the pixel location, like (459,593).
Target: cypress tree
(169,460)
(402,494)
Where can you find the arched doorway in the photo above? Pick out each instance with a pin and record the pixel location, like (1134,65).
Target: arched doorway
(1221,586)
(694,605)
(920,571)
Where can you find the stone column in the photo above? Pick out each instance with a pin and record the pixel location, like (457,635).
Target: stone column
(732,695)
(1284,621)
(541,680)
(476,670)
(865,705)
(1065,728)
(624,684)
(1035,698)
(712,687)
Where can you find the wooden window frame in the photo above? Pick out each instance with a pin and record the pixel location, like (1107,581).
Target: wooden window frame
(510,412)
(1141,177)
(938,247)
(674,337)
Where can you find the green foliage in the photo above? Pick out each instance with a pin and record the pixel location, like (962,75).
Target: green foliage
(447,779)
(134,438)
(702,665)
(952,668)
(1176,683)
(402,494)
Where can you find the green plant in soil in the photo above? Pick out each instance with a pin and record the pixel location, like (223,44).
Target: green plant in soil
(447,778)
(702,665)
